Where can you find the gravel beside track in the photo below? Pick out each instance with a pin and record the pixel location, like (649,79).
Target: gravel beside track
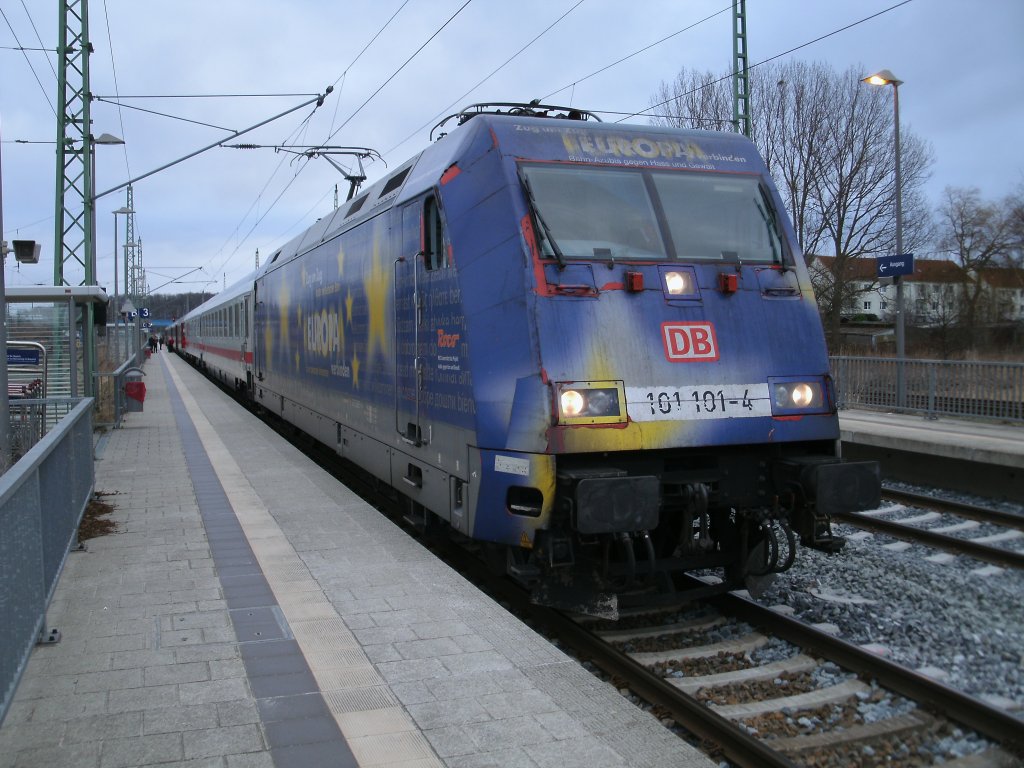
(960,620)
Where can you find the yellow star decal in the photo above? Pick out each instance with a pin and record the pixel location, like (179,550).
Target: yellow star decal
(348,306)
(375,283)
(341,336)
(355,370)
(341,261)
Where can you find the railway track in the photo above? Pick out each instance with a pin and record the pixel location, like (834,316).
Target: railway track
(980,548)
(727,723)
(724,730)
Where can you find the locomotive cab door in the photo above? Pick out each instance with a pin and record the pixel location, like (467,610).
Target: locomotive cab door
(409,372)
(259,320)
(421,258)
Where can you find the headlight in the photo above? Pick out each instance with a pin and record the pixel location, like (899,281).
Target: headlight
(679,282)
(573,403)
(590,402)
(797,396)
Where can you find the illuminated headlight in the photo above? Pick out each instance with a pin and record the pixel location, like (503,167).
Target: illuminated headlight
(573,403)
(590,402)
(798,396)
(679,283)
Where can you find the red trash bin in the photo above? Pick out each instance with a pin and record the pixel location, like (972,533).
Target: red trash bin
(135,391)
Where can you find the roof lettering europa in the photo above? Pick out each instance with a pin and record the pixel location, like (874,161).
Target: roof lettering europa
(622,146)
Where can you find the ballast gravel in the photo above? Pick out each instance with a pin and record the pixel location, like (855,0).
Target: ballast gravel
(961,621)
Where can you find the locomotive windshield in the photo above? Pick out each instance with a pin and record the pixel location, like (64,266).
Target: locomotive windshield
(635,214)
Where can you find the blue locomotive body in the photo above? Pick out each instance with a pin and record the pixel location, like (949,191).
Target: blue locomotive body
(592,346)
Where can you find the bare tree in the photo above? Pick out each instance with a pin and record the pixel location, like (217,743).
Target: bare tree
(980,235)
(694,100)
(1015,256)
(827,140)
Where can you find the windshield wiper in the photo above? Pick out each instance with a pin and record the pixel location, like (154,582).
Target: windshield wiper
(545,229)
(768,216)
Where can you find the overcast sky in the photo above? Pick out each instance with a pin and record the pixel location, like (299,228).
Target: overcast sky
(962,63)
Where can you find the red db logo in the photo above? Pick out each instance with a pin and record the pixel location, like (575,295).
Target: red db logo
(689,342)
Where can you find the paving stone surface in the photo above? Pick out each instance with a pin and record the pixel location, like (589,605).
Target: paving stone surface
(251,612)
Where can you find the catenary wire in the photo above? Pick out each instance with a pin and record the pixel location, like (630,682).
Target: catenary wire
(340,127)
(507,61)
(638,52)
(113,69)
(40,39)
(342,76)
(29,62)
(120,106)
(395,73)
(769,59)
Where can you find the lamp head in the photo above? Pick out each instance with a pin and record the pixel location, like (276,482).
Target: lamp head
(883,77)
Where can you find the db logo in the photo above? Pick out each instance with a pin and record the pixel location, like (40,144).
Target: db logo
(689,342)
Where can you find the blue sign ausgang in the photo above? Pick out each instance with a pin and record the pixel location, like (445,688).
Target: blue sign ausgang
(891,266)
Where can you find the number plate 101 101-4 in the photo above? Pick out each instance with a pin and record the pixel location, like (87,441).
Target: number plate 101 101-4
(704,401)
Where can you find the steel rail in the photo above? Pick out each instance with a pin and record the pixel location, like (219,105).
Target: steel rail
(736,744)
(994,723)
(971,511)
(1005,557)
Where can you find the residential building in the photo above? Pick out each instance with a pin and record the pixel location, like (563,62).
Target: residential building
(1004,293)
(932,295)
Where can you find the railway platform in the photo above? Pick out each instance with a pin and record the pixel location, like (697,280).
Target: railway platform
(965,455)
(250,611)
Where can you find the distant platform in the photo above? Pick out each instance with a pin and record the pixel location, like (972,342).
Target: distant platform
(995,451)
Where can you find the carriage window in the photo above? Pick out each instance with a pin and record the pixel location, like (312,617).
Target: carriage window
(434,254)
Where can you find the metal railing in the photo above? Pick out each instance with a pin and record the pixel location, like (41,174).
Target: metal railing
(31,418)
(42,500)
(988,390)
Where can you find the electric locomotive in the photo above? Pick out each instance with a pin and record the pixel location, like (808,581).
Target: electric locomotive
(593,348)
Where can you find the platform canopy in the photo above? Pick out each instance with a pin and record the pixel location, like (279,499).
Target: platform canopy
(82,294)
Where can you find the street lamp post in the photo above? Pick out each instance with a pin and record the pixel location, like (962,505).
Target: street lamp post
(117,310)
(127,308)
(885,77)
(88,326)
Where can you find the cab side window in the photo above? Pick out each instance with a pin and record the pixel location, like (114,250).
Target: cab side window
(434,254)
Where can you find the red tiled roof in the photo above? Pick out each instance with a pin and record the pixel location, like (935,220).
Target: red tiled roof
(937,271)
(1002,277)
(856,268)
